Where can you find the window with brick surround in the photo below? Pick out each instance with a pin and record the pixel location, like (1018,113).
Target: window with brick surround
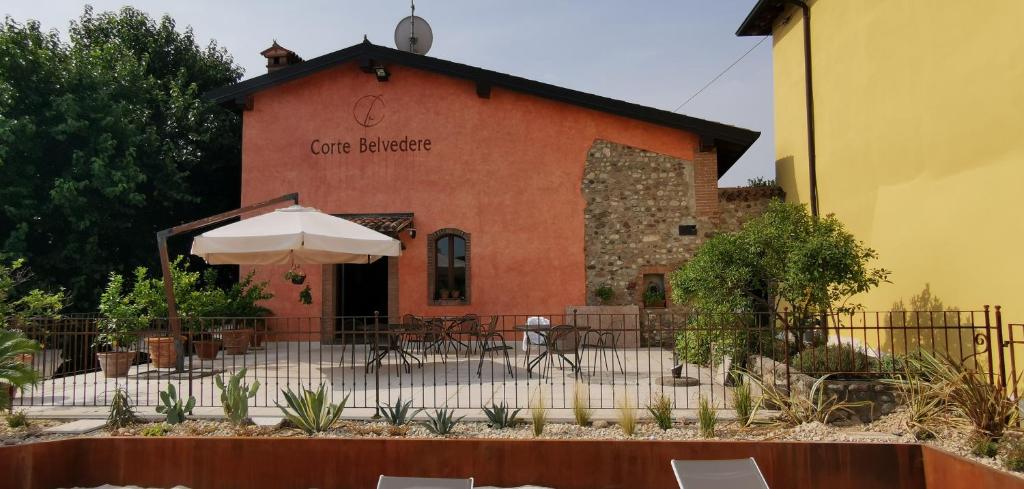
(448,262)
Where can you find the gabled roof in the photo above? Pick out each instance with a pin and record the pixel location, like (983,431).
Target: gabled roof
(760,19)
(731,141)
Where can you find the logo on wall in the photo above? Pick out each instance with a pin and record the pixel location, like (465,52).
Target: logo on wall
(368,111)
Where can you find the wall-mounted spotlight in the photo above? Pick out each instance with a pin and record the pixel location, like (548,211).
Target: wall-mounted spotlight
(381,73)
(412,233)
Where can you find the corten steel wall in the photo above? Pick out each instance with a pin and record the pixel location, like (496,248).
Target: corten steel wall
(284,463)
(507,170)
(943,470)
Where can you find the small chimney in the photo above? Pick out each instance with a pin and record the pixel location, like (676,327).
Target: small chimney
(279,57)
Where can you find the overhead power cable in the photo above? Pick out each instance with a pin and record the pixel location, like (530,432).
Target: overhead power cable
(726,70)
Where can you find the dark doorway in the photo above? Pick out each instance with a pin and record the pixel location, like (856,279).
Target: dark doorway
(362,290)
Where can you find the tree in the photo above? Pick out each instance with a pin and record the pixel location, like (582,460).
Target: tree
(782,260)
(105,139)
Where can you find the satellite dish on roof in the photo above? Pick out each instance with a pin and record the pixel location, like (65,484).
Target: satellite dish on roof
(413,35)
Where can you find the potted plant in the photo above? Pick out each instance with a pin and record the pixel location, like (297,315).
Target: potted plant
(205,343)
(443,293)
(236,338)
(455,293)
(117,330)
(654,297)
(32,314)
(14,373)
(296,276)
(604,293)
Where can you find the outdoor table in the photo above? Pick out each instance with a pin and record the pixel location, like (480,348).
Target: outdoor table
(544,330)
(393,334)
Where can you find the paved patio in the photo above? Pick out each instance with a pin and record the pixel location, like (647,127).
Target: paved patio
(442,380)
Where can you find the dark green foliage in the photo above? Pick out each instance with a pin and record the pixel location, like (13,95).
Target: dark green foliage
(105,139)
(984,446)
(604,293)
(235,395)
(172,407)
(400,413)
(1013,453)
(785,256)
(121,413)
(501,417)
(661,410)
(311,412)
(844,360)
(442,422)
(13,371)
(17,419)
(159,429)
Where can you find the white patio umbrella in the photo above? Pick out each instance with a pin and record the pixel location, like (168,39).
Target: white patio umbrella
(292,236)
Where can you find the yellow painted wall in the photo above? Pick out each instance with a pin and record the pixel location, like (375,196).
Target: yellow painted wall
(919,110)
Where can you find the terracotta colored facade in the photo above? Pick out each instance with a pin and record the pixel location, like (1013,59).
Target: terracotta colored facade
(505,169)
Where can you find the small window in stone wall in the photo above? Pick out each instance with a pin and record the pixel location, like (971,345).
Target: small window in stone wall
(654,290)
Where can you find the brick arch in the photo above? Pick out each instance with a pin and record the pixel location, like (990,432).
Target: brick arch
(432,269)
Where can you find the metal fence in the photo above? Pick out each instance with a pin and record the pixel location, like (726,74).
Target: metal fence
(471,361)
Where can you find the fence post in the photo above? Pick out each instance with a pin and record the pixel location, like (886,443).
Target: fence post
(1000,346)
(785,347)
(376,371)
(988,342)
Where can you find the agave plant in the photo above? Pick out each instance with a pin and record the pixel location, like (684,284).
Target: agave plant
(121,413)
(442,422)
(15,373)
(399,414)
(501,417)
(311,412)
(235,395)
(172,408)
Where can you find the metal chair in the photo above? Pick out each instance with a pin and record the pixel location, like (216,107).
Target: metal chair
(562,340)
(425,333)
(387,482)
(491,341)
(600,343)
(719,474)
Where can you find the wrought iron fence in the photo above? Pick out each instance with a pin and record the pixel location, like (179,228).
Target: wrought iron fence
(475,361)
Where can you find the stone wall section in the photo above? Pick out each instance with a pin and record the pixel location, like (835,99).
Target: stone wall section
(635,202)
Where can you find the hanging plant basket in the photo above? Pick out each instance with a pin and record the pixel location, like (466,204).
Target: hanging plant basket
(306,295)
(296,276)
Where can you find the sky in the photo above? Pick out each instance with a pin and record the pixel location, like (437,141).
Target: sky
(653,53)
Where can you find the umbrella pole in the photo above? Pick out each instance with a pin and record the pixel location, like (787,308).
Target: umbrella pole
(165,263)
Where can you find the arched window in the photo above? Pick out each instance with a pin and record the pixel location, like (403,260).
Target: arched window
(448,267)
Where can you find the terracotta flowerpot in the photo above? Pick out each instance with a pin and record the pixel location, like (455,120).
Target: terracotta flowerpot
(207,349)
(236,341)
(116,363)
(162,353)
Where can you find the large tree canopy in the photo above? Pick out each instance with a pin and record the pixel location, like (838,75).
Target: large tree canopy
(105,139)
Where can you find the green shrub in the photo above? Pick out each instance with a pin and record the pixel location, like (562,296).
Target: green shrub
(661,410)
(984,446)
(501,417)
(17,419)
(311,412)
(159,429)
(845,360)
(987,407)
(442,422)
(1013,454)
(707,418)
(604,293)
(400,413)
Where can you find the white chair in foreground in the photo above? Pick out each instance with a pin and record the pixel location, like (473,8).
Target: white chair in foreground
(386,482)
(718,474)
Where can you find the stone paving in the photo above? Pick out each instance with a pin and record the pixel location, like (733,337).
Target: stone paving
(442,380)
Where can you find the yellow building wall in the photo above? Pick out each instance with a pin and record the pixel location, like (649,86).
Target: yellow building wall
(919,108)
